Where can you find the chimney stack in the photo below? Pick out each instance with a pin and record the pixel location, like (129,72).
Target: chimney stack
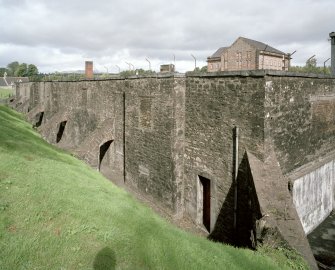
(332,37)
(89,69)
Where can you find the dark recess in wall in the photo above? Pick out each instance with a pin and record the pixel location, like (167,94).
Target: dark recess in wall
(102,151)
(61,131)
(206,202)
(39,116)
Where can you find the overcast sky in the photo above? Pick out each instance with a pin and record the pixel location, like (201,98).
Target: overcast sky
(61,35)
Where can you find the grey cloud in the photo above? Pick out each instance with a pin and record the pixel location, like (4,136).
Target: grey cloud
(159,29)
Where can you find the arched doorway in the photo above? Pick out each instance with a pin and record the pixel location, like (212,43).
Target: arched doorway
(39,119)
(102,152)
(60,131)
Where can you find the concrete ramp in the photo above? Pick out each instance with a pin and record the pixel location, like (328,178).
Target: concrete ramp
(263,191)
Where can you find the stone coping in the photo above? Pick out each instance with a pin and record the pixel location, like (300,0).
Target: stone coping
(243,73)
(258,73)
(311,166)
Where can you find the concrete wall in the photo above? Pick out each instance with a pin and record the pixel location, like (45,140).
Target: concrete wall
(313,195)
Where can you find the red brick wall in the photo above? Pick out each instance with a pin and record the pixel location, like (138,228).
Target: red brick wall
(241,56)
(89,70)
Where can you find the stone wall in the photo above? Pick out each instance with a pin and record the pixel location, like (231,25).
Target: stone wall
(214,106)
(300,118)
(144,119)
(174,129)
(300,125)
(154,138)
(170,137)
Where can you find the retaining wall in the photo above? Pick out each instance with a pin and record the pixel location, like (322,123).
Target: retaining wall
(172,137)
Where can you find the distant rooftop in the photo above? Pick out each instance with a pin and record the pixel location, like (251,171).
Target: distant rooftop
(12,80)
(261,46)
(254,43)
(219,52)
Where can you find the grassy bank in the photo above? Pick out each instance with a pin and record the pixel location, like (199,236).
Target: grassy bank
(6,92)
(57,213)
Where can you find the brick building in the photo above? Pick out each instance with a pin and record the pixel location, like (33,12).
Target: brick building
(247,54)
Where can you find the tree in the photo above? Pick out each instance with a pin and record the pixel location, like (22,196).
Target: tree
(140,72)
(2,71)
(203,69)
(22,70)
(12,68)
(32,70)
(310,67)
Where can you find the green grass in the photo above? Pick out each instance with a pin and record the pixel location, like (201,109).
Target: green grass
(5,92)
(58,213)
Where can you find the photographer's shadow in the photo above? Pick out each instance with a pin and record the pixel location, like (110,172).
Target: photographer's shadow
(105,260)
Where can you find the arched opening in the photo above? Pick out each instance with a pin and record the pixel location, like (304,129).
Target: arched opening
(102,152)
(39,119)
(60,131)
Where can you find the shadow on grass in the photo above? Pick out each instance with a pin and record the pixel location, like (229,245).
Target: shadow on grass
(105,260)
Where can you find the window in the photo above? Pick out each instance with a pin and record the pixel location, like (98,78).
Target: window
(239,60)
(226,60)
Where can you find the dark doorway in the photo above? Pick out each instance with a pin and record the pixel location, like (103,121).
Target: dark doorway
(39,118)
(103,149)
(205,193)
(60,131)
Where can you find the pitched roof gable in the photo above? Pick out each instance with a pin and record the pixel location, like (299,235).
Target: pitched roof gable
(218,53)
(11,80)
(261,46)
